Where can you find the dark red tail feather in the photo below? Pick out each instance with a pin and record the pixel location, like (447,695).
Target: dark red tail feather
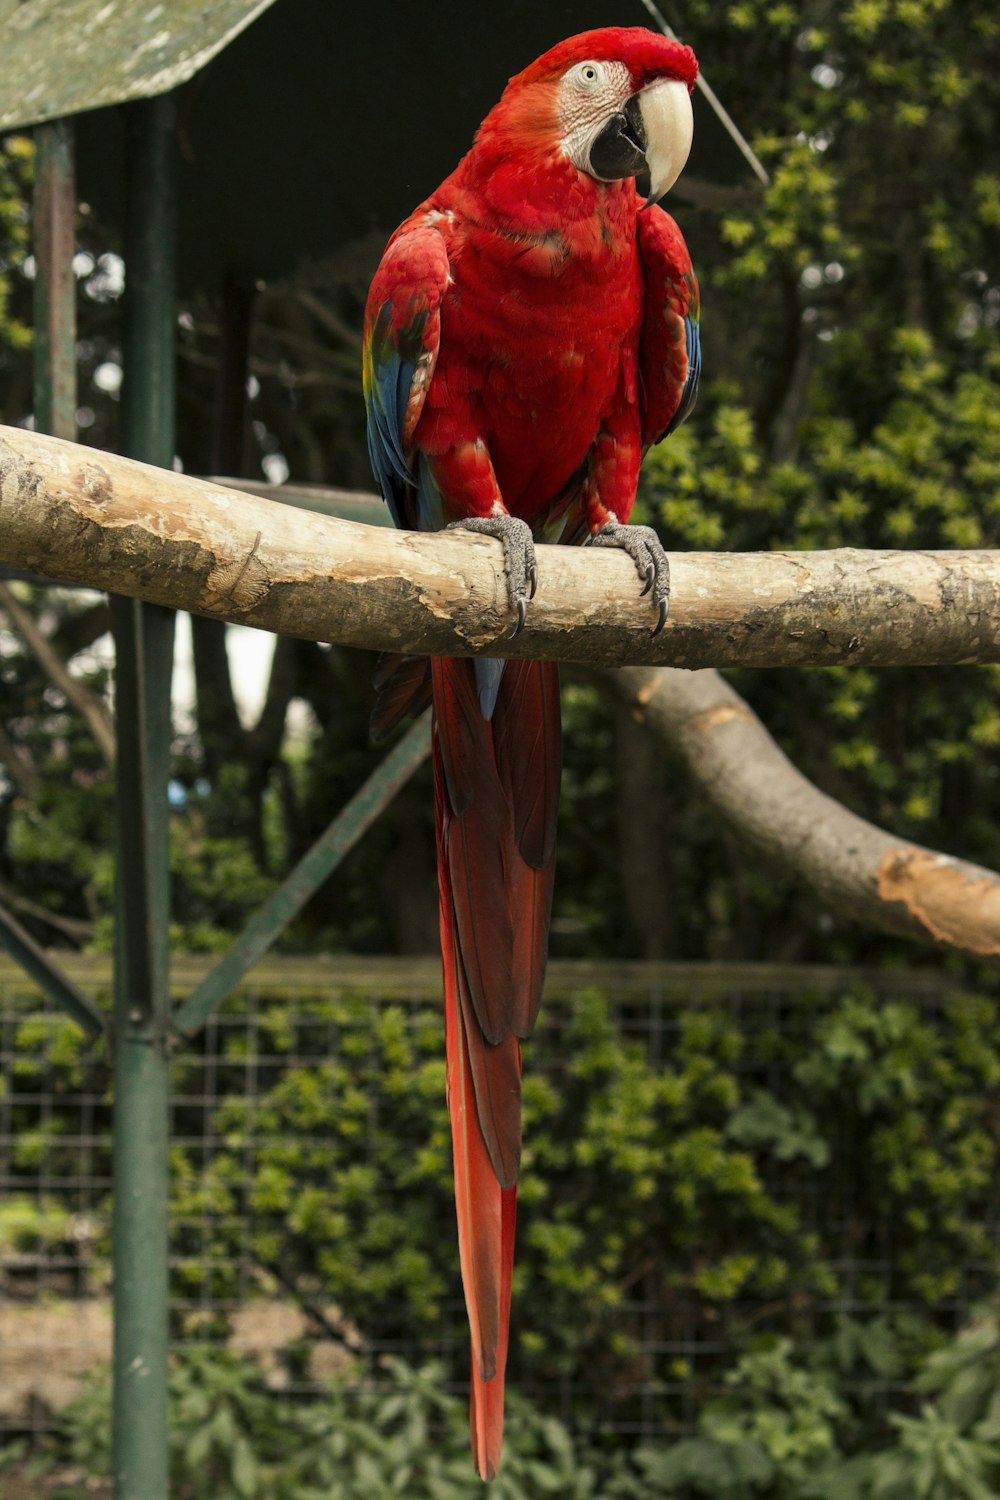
(497,787)
(402,690)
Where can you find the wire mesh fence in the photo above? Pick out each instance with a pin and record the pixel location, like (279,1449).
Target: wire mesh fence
(301,1147)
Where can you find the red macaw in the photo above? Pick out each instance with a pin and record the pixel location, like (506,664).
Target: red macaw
(531,330)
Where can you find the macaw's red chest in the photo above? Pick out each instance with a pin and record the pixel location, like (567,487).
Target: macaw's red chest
(539,341)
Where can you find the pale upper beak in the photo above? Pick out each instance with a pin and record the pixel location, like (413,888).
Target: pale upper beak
(668,120)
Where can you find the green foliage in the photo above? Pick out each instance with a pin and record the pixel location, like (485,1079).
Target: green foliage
(16,161)
(775,1433)
(780,1431)
(654,1194)
(216,882)
(784,1431)
(27,1224)
(398,1433)
(774,1169)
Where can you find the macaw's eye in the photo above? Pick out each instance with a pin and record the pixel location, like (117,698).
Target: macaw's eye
(586,75)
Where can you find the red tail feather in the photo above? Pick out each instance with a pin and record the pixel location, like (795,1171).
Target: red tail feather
(496,787)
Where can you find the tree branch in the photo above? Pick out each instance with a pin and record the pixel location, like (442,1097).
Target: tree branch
(73,928)
(860,870)
(19,766)
(86,703)
(97,519)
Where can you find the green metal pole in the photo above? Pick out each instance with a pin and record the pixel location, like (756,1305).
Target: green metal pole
(144,646)
(54,216)
(55,284)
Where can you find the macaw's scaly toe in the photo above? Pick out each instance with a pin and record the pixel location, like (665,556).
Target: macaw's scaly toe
(646,551)
(519,563)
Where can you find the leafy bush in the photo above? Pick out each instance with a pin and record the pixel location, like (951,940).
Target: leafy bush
(399,1434)
(817,1165)
(780,1168)
(780,1431)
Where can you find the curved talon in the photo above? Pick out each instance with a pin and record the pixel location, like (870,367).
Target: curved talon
(522,609)
(646,551)
(519,563)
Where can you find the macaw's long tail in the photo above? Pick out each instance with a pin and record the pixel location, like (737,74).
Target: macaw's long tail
(497,794)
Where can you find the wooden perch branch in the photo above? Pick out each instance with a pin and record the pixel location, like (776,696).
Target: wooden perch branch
(93,518)
(80,516)
(860,870)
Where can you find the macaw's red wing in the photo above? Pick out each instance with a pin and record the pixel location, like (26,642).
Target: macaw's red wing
(670,340)
(496,785)
(401,339)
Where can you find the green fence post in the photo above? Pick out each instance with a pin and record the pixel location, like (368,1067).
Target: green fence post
(144,646)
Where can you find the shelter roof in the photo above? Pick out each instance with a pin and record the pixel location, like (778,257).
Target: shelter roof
(304,127)
(61,57)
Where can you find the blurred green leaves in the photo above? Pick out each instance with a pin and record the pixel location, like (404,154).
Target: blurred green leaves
(779,1430)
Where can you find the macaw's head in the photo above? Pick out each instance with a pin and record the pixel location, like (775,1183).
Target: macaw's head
(615,102)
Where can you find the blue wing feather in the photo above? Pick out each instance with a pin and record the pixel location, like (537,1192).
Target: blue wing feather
(689,395)
(430,506)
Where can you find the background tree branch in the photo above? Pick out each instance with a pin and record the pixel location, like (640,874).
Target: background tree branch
(19,766)
(96,518)
(859,869)
(87,704)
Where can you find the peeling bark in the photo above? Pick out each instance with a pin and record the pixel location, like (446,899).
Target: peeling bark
(858,869)
(958,908)
(97,519)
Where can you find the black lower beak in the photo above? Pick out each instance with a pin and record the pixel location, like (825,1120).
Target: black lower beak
(635,126)
(619,148)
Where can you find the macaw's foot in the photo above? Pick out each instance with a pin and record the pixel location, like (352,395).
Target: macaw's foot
(519,565)
(644,548)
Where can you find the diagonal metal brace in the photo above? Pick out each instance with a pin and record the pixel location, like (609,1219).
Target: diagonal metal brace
(36,962)
(313,868)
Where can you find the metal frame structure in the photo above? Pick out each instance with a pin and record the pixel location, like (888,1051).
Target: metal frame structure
(143,1026)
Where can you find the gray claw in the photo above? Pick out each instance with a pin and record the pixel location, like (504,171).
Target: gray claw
(646,551)
(519,562)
